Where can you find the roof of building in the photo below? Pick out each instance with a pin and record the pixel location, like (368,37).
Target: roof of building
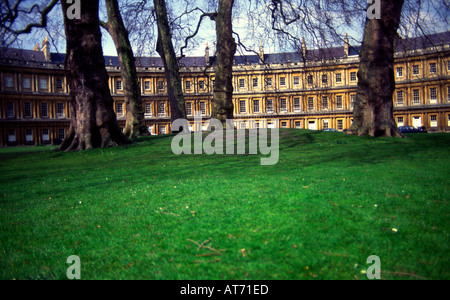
(18,55)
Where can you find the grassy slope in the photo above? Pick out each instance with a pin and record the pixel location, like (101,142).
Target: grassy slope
(134,212)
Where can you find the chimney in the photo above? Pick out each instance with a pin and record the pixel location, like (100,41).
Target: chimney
(261,53)
(207,55)
(37,47)
(346,45)
(46,49)
(304,47)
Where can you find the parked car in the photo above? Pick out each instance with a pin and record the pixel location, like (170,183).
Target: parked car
(422,129)
(408,129)
(329,129)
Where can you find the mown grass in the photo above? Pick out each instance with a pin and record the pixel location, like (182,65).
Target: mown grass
(137,212)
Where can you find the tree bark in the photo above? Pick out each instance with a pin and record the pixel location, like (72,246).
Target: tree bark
(171,68)
(135,121)
(373,113)
(94,122)
(226,49)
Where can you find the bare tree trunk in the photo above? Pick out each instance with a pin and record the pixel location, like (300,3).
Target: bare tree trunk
(135,121)
(226,49)
(94,122)
(373,113)
(171,68)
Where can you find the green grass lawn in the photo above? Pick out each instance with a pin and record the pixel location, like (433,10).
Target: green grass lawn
(141,212)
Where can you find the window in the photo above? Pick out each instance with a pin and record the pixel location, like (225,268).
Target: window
(297,104)
(255,82)
(433,68)
(399,97)
(326,124)
(27,110)
(283,81)
(241,83)
(400,121)
(189,108)
(296,80)
(353,76)
(119,110)
(283,105)
(324,79)
(310,103)
(448,120)
(324,103)
(284,125)
(312,125)
(26,83)
(11,135)
(43,84)
(162,130)
(10,110)
(161,85)
(203,108)
(188,85)
(416,96)
(352,100)
(339,103)
(340,124)
(59,84)
(310,79)
(61,133)
(242,107)
(269,106)
(256,106)
(148,110)
(28,135)
(119,85)
(415,69)
(338,78)
(60,110)
(400,72)
(417,121)
(269,82)
(161,109)
(433,121)
(201,84)
(44,110)
(298,124)
(45,135)
(448,65)
(433,95)
(9,82)
(448,94)
(147,85)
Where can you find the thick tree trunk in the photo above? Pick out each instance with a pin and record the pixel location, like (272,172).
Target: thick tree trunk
(94,122)
(373,113)
(171,68)
(135,121)
(226,49)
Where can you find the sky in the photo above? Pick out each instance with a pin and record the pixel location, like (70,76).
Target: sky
(249,30)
